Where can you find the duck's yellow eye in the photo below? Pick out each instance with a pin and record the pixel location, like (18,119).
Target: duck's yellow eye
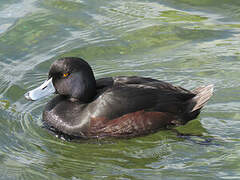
(65,75)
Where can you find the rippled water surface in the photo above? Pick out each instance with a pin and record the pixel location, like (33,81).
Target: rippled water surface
(185,42)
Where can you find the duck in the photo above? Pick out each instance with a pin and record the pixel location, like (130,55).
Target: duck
(121,106)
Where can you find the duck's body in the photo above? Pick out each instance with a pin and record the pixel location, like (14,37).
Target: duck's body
(120,106)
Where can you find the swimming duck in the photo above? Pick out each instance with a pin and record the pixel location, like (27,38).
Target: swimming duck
(113,106)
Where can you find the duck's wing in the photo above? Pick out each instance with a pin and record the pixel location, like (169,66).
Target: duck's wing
(123,95)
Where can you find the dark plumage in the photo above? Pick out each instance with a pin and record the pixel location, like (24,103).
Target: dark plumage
(116,106)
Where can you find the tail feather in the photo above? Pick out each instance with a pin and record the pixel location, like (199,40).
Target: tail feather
(203,94)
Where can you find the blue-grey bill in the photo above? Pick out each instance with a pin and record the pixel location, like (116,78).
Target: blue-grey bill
(45,89)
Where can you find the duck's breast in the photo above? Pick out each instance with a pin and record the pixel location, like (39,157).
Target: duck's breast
(68,117)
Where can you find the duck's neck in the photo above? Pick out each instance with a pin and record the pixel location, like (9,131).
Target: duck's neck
(84,88)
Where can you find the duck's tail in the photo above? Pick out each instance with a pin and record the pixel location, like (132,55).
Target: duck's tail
(203,94)
(195,104)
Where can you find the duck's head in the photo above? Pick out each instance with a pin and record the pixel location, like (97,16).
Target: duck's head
(71,77)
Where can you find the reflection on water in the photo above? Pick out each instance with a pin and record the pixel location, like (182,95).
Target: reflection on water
(185,42)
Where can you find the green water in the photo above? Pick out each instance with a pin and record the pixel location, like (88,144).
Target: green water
(186,42)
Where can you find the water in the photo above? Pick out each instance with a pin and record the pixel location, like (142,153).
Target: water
(185,42)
